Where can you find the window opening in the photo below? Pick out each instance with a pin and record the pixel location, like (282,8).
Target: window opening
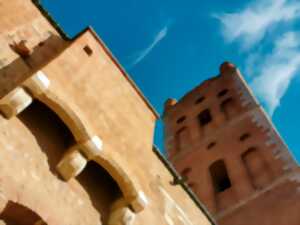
(52,135)
(244,136)
(211,145)
(101,188)
(228,107)
(222,93)
(200,99)
(185,173)
(88,50)
(18,214)
(181,139)
(204,117)
(181,119)
(219,175)
(259,172)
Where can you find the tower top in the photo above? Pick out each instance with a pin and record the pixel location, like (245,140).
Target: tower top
(226,67)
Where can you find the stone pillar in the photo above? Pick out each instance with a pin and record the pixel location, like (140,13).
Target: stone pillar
(71,164)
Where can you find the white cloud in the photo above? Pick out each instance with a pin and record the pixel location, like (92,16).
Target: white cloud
(277,70)
(251,24)
(143,53)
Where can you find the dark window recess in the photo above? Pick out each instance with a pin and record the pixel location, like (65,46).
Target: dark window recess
(222,93)
(226,103)
(219,175)
(199,100)
(192,185)
(181,119)
(186,172)
(210,145)
(204,117)
(244,136)
(88,50)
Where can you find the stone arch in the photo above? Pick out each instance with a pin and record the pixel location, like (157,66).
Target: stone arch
(87,147)
(68,116)
(17,214)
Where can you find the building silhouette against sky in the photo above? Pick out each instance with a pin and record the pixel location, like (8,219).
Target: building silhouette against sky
(76,133)
(227,150)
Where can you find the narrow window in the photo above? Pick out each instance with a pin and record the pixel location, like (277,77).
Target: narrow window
(244,136)
(259,172)
(211,145)
(182,139)
(222,93)
(192,185)
(181,119)
(185,173)
(204,117)
(228,107)
(218,172)
(88,50)
(200,99)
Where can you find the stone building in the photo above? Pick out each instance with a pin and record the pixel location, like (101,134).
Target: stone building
(227,150)
(76,134)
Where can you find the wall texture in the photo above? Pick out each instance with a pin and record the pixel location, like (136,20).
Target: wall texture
(225,147)
(76,134)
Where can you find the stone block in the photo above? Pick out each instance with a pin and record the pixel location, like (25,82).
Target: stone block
(121,216)
(72,164)
(15,102)
(37,84)
(92,148)
(140,202)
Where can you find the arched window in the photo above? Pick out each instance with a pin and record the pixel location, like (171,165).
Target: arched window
(204,117)
(54,139)
(102,189)
(228,107)
(219,175)
(181,139)
(259,172)
(17,214)
(50,132)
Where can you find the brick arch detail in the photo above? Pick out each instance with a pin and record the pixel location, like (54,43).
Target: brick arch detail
(88,147)
(84,138)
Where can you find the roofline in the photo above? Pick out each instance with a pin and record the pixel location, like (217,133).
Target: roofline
(66,37)
(184,186)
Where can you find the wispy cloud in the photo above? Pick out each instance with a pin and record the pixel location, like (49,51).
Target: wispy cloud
(143,53)
(277,70)
(275,61)
(251,24)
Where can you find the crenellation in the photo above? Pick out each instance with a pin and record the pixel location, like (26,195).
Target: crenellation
(241,177)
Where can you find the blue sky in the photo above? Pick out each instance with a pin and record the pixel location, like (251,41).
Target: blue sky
(170,46)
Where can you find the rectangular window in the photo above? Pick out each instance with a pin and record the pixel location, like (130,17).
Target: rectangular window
(219,175)
(88,50)
(182,139)
(204,117)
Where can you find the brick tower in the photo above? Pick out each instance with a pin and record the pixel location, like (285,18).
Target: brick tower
(227,150)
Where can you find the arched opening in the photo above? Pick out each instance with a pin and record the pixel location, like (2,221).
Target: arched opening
(182,139)
(228,107)
(17,214)
(50,132)
(54,139)
(102,188)
(219,175)
(258,171)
